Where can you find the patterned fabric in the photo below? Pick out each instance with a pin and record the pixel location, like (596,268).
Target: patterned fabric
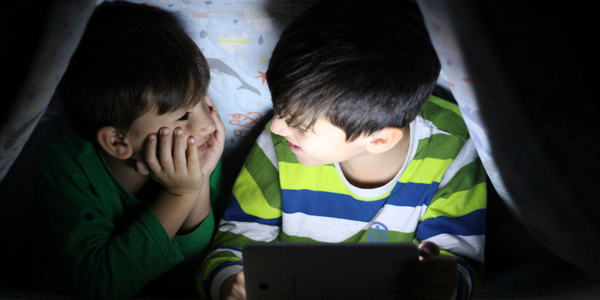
(439,195)
(237,38)
(456,78)
(64,29)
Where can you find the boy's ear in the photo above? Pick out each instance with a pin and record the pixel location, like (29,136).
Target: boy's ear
(114,143)
(384,139)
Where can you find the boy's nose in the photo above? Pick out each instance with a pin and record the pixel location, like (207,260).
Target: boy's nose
(280,127)
(204,127)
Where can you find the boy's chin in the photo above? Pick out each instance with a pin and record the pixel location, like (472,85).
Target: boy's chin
(309,162)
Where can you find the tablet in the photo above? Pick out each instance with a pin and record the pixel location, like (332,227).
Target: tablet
(324,271)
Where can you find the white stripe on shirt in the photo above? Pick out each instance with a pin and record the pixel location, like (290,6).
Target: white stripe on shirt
(467,155)
(265,142)
(470,246)
(322,229)
(251,230)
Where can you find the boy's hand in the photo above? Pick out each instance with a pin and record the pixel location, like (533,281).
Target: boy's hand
(434,276)
(234,287)
(165,156)
(216,141)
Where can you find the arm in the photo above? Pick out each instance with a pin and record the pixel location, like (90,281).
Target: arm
(126,252)
(180,176)
(253,214)
(165,160)
(455,218)
(198,227)
(108,252)
(194,247)
(216,144)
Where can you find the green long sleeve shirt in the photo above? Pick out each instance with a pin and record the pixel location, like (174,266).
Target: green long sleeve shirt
(112,244)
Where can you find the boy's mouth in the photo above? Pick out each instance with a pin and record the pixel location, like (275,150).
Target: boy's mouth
(294,148)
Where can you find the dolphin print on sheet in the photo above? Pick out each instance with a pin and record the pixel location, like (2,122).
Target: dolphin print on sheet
(220,66)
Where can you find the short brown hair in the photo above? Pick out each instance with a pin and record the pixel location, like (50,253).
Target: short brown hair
(132,59)
(362,66)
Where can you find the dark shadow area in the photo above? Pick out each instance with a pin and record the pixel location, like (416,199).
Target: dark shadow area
(22,26)
(517,264)
(534,75)
(21,224)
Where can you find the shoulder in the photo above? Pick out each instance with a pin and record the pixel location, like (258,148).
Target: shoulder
(273,147)
(71,144)
(444,116)
(69,153)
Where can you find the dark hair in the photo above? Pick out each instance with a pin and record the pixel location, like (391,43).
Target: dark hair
(365,66)
(132,59)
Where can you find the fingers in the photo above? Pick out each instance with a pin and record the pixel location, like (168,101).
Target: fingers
(192,155)
(240,279)
(142,168)
(150,153)
(209,102)
(428,249)
(164,154)
(239,287)
(220,132)
(234,287)
(214,114)
(439,262)
(179,149)
(434,276)
(167,153)
(216,142)
(171,158)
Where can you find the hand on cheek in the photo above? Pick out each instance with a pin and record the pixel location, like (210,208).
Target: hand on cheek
(216,142)
(172,160)
(142,168)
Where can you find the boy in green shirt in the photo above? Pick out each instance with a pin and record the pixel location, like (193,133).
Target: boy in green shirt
(128,195)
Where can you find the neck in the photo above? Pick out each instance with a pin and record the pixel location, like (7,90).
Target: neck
(124,172)
(375,170)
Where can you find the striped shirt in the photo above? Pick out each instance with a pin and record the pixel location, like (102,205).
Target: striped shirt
(439,195)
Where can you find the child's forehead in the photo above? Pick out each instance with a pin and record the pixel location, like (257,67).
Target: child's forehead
(154,116)
(163,102)
(302,119)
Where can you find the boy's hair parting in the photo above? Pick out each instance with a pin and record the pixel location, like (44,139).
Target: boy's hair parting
(362,65)
(132,59)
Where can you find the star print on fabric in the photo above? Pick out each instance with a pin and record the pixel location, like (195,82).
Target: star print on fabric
(263,76)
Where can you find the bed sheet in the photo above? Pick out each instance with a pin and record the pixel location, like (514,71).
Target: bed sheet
(237,38)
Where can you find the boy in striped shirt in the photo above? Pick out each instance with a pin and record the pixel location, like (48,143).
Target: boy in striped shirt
(359,151)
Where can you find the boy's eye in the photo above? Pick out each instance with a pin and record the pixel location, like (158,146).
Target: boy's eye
(302,130)
(184,117)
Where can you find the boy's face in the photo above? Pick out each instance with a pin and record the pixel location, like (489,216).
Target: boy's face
(323,144)
(195,121)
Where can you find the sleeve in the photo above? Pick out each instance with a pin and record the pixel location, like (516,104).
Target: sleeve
(253,214)
(216,183)
(455,218)
(105,257)
(180,280)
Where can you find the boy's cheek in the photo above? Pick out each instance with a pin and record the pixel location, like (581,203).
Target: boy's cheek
(202,157)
